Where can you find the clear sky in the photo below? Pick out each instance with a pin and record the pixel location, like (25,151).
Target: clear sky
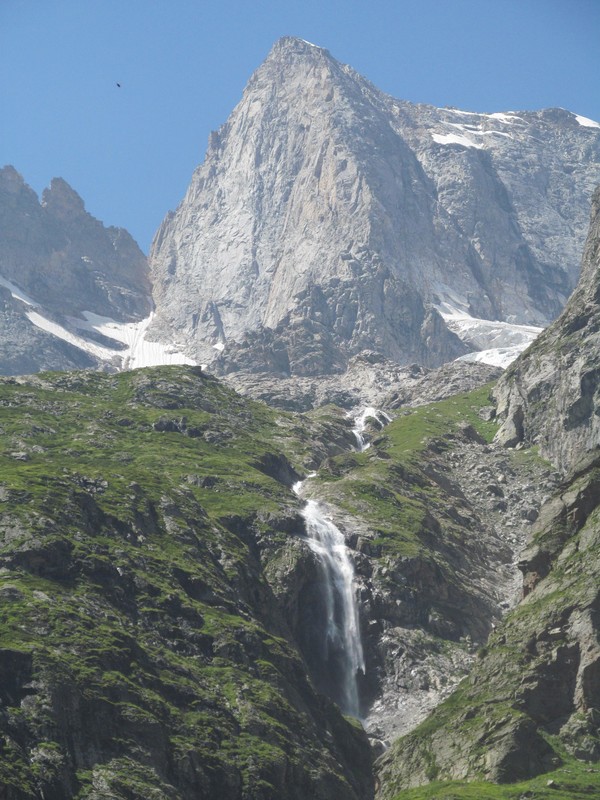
(183,64)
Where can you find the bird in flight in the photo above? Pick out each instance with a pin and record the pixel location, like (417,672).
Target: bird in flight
(119,85)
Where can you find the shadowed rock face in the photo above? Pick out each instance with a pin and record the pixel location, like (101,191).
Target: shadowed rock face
(550,397)
(329,218)
(66,261)
(64,258)
(538,676)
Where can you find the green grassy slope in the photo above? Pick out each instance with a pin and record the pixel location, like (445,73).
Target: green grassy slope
(142,653)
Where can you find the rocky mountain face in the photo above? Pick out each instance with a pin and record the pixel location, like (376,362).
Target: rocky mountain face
(550,397)
(530,705)
(55,255)
(328,221)
(329,218)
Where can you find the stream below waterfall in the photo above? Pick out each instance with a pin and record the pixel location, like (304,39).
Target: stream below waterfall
(342,649)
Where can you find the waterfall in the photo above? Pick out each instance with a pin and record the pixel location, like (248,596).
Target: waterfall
(342,631)
(342,648)
(360,424)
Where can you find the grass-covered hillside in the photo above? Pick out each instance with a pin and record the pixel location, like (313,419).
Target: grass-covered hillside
(160,609)
(142,654)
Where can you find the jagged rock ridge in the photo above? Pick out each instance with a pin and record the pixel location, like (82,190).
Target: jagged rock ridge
(329,218)
(66,262)
(550,397)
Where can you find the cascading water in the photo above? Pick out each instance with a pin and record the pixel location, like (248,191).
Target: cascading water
(343,641)
(342,650)
(360,425)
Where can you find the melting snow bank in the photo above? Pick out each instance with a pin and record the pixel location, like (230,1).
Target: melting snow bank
(586,122)
(496,357)
(496,343)
(139,351)
(132,350)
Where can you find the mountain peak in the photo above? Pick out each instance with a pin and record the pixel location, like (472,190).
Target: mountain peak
(295,45)
(290,54)
(329,218)
(61,199)
(8,174)
(12,183)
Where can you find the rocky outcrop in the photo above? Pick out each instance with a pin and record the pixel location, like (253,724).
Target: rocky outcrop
(64,258)
(57,259)
(25,348)
(370,379)
(550,397)
(532,699)
(537,677)
(329,218)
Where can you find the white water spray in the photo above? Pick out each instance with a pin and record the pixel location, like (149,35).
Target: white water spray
(343,644)
(343,626)
(342,629)
(360,425)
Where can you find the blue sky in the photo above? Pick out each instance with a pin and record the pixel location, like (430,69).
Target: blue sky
(183,64)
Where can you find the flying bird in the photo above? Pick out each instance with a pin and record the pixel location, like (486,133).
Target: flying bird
(119,85)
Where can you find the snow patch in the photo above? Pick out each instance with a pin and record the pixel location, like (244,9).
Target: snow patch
(139,351)
(45,324)
(452,138)
(509,116)
(495,357)
(17,293)
(471,129)
(587,123)
(461,113)
(496,343)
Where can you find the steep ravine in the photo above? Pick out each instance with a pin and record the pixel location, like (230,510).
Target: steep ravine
(158,592)
(436,533)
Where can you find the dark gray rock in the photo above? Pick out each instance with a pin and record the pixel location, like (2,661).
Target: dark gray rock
(66,262)
(551,396)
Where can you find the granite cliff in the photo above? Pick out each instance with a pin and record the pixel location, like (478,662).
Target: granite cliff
(550,396)
(329,218)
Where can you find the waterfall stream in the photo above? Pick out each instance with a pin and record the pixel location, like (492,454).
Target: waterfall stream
(343,642)
(360,425)
(342,648)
